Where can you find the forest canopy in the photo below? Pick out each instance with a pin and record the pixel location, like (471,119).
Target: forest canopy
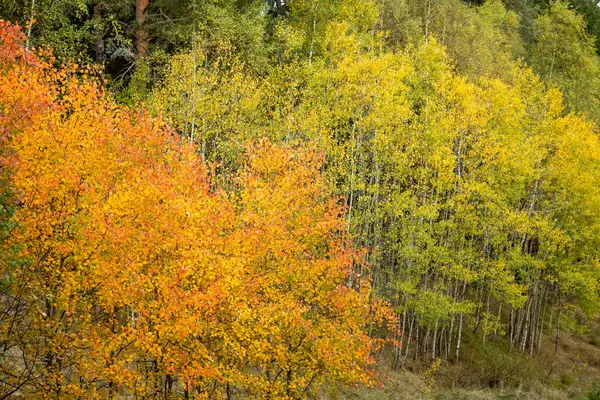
(257,199)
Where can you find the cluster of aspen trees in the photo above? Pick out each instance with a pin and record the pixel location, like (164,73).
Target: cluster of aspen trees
(284,188)
(473,192)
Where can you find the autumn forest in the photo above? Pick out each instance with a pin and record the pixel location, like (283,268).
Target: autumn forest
(299,199)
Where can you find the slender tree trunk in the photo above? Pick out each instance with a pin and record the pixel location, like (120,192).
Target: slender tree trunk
(410,330)
(458,339)
(487,310)
(426,340)
(499,319)
(511,329)
(543,314)
(416,342)
(557,340)
(427,19)
(314,33)
(100,48)
(30,25)
(460,324)
(142,38)
(449,339)
(527,324)
(433,344)
(401,334)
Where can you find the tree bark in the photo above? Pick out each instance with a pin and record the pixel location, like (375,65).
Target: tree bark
(30,25)
(142,38)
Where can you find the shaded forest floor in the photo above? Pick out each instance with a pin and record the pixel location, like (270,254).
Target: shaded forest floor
(489,372)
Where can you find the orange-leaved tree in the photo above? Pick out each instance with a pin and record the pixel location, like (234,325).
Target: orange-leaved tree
(127,273)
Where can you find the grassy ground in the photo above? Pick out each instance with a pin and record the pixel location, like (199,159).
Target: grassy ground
(489,372)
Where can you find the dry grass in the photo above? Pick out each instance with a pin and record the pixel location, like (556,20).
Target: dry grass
(490,373)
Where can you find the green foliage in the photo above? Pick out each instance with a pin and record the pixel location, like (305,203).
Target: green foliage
(400,22)
(594,394)
(590,11)
(564,54)
(312,19)
(480,40)
(468,194)
(212,103)
(237,25)
(63,24)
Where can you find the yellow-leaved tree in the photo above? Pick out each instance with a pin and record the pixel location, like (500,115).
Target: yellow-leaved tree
(131,274)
